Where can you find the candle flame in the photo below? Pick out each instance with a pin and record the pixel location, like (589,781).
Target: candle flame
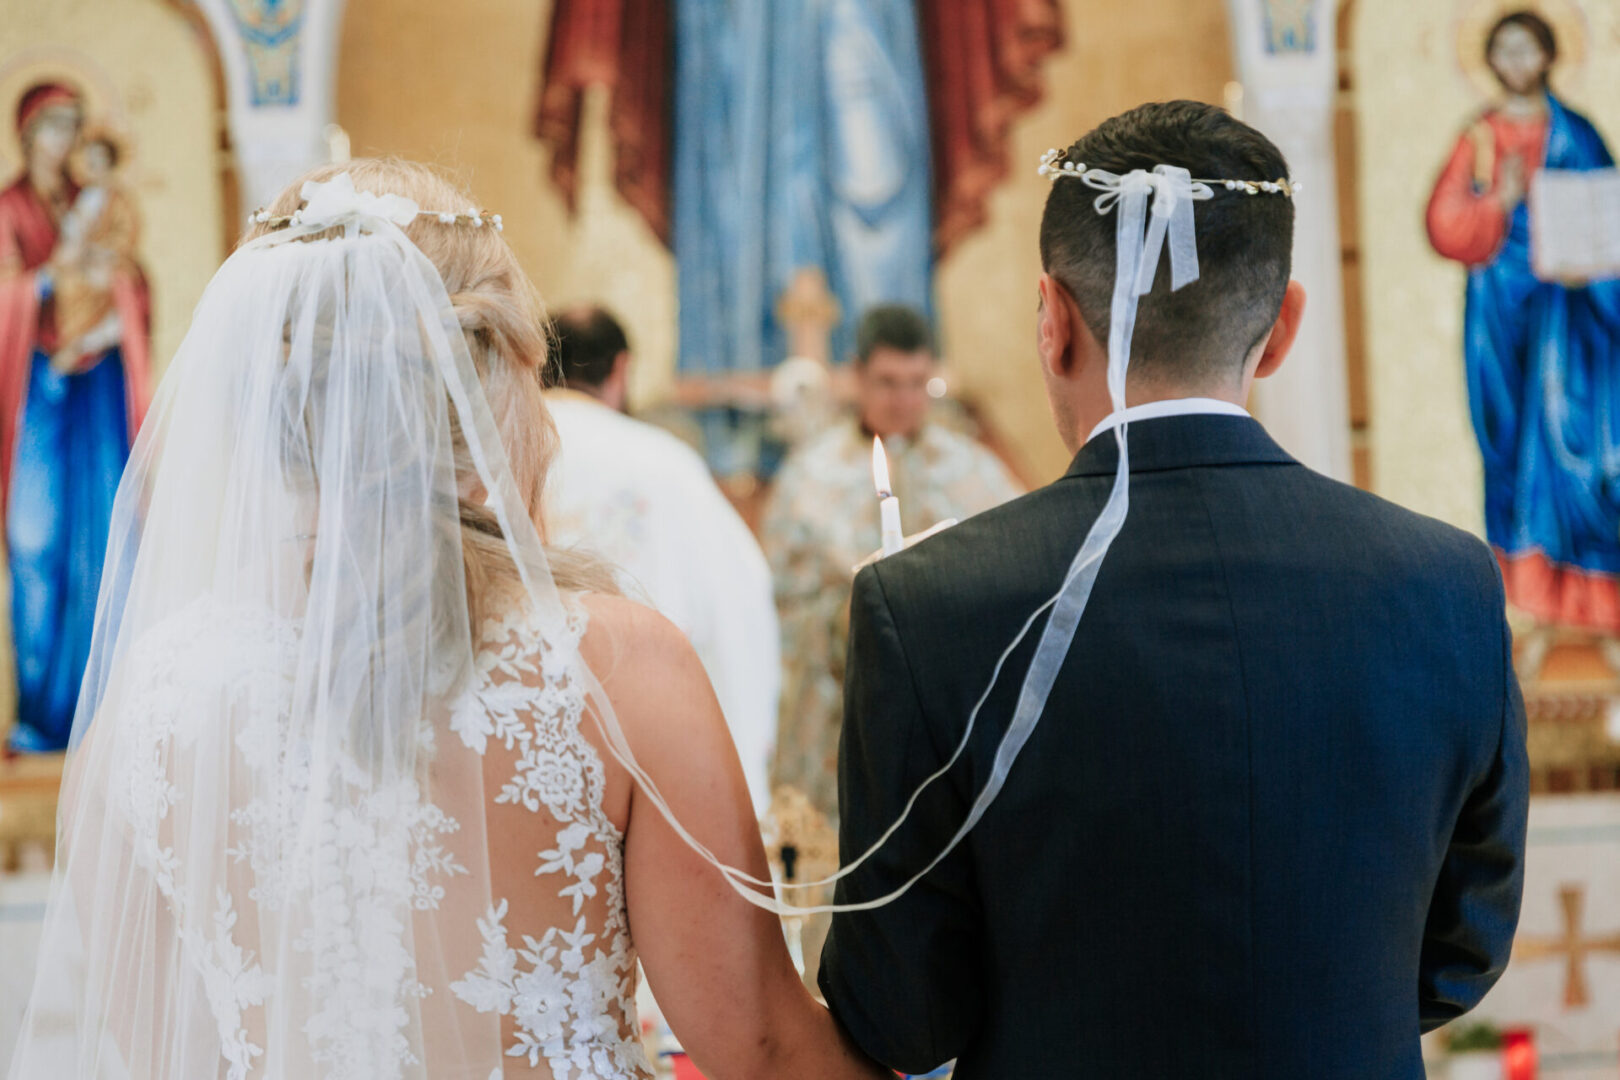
(880,469)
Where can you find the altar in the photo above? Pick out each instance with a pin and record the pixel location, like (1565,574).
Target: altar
(1563,981)
(1564,978)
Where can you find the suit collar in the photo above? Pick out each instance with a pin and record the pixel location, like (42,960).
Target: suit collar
(1182,442)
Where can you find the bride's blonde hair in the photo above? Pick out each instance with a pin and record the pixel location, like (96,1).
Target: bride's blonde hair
(504,321)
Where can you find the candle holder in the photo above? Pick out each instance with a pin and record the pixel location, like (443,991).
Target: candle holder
(801,845)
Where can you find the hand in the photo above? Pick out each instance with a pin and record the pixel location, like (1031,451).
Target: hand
(1510,185)
(910,540)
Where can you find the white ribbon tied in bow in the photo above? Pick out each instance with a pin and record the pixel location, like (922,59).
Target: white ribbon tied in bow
(1137,254)
(336,202)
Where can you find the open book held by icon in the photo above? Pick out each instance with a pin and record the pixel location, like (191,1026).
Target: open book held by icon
(1575,225)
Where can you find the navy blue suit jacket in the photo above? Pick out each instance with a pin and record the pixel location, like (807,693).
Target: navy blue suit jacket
(1271,823)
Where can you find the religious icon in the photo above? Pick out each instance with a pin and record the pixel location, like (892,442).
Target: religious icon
(1539,355)
(74,349)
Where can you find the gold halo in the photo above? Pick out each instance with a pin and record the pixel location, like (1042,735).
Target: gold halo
(1476,17)
(30,67)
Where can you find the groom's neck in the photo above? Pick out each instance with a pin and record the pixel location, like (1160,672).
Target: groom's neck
(1146,391)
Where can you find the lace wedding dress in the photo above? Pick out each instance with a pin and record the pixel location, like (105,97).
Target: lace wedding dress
(558,963)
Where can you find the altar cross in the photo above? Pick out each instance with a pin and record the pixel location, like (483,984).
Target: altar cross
(1572,945)
(808,310)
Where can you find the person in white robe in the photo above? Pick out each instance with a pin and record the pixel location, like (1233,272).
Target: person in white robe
(639,497)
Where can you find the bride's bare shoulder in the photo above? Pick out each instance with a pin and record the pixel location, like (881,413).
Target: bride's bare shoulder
(641,658)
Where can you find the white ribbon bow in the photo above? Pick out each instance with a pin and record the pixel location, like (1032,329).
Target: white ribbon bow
(1174,192)
(336,201)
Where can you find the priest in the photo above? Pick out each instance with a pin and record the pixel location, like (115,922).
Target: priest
(822,519)
(643,500)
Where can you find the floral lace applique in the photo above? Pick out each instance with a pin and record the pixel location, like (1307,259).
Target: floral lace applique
(203,652)
(232,983)
(378,852)
(571,991)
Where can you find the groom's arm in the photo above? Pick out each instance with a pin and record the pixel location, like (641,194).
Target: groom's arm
(1475,907)
(905,979)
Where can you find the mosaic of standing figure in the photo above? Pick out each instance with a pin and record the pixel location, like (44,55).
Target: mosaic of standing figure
(1538,352)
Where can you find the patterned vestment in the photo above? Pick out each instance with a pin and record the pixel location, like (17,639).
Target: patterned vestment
(822,519)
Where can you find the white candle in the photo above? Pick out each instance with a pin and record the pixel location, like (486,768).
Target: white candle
(894,540)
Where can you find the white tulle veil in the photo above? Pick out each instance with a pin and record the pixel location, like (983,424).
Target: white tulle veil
(270,864)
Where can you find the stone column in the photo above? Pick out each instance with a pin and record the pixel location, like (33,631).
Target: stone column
(280,60)
(1285,56)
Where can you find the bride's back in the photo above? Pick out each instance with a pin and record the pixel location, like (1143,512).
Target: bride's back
(558,963)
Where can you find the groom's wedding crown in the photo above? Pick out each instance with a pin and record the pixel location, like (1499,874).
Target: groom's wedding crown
(1055,165)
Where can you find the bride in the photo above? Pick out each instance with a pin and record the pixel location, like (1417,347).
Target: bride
(351,793)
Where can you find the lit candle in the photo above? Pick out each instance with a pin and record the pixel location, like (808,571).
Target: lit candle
(888,506)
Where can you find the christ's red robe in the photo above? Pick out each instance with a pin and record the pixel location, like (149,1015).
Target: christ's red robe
(1467,221)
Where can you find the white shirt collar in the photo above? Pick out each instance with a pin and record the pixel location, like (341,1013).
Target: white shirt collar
(1153,410)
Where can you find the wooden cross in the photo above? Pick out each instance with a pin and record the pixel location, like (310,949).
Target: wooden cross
(809,312)
(1571,945)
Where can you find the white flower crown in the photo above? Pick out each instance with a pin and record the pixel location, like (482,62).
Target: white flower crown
(336,200)
(1053,166)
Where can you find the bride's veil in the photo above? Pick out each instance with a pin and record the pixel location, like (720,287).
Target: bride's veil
(271,862)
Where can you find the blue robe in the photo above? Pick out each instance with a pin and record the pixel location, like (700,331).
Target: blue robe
(801,140)
(72,444)
(1543,389)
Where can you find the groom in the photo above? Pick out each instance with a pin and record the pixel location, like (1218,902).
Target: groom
(1271,824)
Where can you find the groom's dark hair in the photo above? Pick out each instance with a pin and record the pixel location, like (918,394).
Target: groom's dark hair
(1204,331)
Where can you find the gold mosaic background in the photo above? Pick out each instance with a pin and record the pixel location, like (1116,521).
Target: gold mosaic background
(146,71)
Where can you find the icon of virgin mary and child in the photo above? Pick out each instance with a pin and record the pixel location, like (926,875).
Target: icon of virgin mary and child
(74,384)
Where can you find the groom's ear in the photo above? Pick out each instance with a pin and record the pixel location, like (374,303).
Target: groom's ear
(1283,332)
(1056,326)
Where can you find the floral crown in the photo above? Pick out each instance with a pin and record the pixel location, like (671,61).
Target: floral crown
(330,202)
(1055,165)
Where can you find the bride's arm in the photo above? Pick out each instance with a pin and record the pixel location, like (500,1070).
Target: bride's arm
(717,964)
